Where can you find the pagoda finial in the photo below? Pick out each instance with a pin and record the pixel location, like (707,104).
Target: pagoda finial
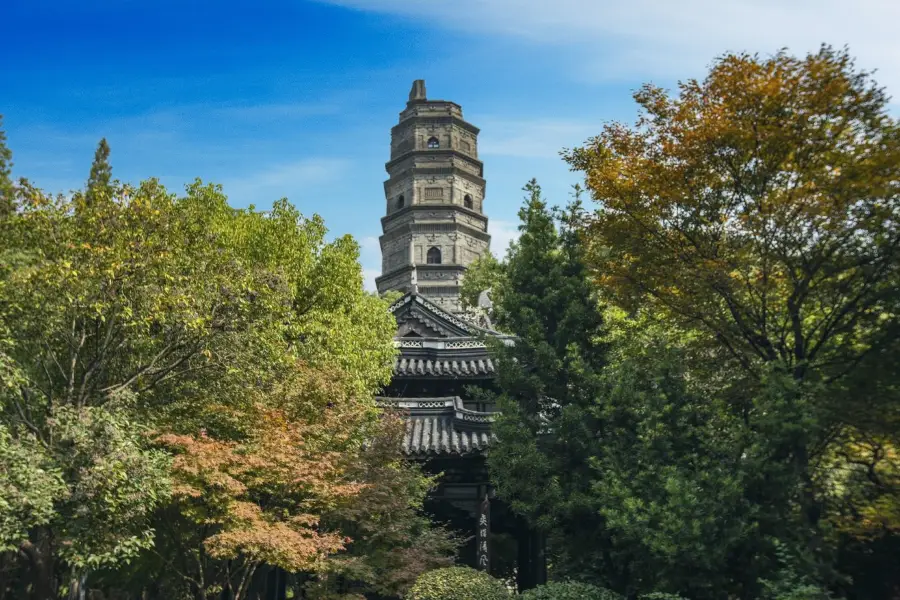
(418,90)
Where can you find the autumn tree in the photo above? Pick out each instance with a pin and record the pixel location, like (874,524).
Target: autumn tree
(758,207)
(760,204)
(394,541)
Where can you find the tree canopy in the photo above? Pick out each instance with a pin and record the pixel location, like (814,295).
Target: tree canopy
(188,376)
(760,207)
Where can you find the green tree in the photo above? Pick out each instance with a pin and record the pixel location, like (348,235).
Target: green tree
(6,184)
(618,436)
(100,179)
(681,481)
(548,381)
(135,312)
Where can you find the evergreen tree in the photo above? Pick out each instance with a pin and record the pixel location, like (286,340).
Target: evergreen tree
(548,381)
(6,183)
(100,179)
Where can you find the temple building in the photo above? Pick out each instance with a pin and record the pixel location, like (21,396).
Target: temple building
(435,227)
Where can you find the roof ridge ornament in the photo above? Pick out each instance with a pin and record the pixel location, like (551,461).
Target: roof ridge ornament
(414,280)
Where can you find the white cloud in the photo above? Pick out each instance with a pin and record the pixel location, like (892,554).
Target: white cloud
(285,180)
(502,233)
(661,38)
(531,138)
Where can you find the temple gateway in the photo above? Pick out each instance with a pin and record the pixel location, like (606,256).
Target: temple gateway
(434,227)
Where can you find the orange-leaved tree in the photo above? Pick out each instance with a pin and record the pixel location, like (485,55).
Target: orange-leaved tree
(759,207)
(261,498)
(759,204)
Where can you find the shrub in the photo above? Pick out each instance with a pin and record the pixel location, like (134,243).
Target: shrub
(570,590)
(660,596)
(457,583)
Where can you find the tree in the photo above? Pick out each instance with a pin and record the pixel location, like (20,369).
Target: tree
(677,473)
(99,181)
(758,208)
(133,315)
(394,542)
(548,382)
(612,439)
(262,497)
(758,204)
(6,184)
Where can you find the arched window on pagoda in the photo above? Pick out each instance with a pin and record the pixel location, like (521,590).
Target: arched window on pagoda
(401,201)
(433,142)
(434,256)
(467,202)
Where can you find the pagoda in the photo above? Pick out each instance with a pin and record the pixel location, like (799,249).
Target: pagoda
(435,227)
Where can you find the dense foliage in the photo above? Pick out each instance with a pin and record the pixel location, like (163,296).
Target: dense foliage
(186,393)
(569,590)
(701,399)
(549,381)
(457,583)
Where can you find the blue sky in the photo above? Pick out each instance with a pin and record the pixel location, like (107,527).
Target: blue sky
(296,98)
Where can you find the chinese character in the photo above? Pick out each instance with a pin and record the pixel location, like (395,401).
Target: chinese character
(483,533)
(483,560)
(484,547)
(483,521)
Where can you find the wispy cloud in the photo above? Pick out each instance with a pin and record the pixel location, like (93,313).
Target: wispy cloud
(292,180)
(502,234)
(531,138)
(657,38)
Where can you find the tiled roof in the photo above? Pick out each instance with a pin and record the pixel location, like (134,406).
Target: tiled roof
(442,426)
(406,366)
(437,435)
(462,325)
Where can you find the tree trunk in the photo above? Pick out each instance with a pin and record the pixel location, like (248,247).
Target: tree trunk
(41,572)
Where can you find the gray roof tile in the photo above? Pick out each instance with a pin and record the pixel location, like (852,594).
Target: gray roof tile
(441,426)
(474,367)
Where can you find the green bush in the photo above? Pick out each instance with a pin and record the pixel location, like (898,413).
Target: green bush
(570,590)
(661,596)
(458,583)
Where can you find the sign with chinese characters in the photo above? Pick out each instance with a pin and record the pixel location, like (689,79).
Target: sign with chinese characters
(483,554)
